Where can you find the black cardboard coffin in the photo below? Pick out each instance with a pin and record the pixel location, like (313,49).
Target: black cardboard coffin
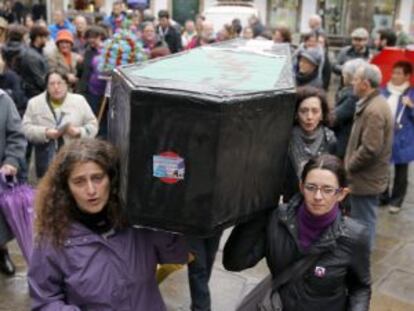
(203,135)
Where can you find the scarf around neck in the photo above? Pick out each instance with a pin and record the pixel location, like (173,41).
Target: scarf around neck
(311,226)
(395,92)
(98,223)
(303,146)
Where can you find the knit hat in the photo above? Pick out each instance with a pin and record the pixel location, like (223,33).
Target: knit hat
(360,33)
(313,55)
(64,35)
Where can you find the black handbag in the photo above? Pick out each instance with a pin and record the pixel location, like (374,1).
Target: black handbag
(265,296)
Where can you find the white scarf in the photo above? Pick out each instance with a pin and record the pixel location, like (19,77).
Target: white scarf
(395,92)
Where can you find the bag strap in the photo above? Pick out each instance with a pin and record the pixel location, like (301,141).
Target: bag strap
(295,270)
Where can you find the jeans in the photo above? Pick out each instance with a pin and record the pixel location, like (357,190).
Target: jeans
(199,270)
(364,208)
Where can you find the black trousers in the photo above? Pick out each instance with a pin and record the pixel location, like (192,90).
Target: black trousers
(399,189)
(199,271)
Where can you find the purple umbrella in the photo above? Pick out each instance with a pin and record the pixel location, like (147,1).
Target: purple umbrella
(16,203)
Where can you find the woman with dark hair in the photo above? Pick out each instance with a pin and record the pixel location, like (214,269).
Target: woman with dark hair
(310,135)
(85,257)
(309,228)
(55,117)
(282,34)
(400,97)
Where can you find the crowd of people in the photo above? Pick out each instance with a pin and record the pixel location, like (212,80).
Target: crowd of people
(52,91)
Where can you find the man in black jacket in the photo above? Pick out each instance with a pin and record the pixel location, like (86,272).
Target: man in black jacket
(34,64)
(168,33)
(28,62)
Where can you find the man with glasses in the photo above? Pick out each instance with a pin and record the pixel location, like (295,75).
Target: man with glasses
(358,49)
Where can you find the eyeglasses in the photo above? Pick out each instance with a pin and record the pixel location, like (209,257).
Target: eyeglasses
(326,191)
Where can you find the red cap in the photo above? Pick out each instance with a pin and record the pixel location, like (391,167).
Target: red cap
(64,35)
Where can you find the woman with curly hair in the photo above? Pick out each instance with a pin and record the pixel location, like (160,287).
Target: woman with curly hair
(310,135)
(85,256)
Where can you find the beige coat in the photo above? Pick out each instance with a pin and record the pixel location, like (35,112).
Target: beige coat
(57,61)
(75,109)
(369,147)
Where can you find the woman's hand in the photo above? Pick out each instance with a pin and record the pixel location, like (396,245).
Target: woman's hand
(407,102)
(73,131)
(72,78)
(53,133)
(8,170)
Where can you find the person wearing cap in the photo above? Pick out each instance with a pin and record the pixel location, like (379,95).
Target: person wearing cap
(63,58)
(358,49)
(307,70)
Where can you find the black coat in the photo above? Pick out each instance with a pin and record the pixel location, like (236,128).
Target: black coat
(345,256)
(344,118)
(172,37)
(11,83)
(29,64)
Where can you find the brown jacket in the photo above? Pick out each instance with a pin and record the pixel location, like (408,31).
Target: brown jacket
(369,148)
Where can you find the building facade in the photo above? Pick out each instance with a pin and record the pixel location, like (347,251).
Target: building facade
(339,16)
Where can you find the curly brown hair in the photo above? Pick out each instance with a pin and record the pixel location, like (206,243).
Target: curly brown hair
(54,200)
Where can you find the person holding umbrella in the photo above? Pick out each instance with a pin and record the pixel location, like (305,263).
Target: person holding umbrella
(400,97)
(12,154)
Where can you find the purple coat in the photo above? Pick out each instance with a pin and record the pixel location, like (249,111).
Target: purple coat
(403,142)
(96,273)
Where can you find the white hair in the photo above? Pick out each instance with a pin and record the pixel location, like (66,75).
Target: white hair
(371,73)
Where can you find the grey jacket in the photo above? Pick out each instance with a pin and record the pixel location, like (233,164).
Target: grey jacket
(12,147)
(12,141)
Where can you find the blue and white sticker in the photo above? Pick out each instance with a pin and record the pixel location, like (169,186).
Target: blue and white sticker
(169,167)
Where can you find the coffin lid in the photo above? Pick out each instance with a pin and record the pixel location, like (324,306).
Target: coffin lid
(221,71)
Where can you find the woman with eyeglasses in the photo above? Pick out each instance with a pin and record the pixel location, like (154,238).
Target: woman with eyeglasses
(310,224)
(55,117)
(310,136)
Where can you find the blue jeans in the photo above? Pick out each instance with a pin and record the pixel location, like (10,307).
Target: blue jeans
(199,270)
(364,208)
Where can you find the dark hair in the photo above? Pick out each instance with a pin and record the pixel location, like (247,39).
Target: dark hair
(389,35)
(59,72)
(309,35)
(285,33)
(94,31)
(16,33)
(326,162)
(310,91)
(163,13)
(54,200)
(405,66)
(38,31)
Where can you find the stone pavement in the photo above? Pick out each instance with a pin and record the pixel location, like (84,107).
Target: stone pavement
(392,271)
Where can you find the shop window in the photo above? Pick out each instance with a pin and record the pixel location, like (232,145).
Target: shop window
(332,15)
(384,13)
(284,13)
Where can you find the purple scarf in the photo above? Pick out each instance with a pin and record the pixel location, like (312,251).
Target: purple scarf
(311,226)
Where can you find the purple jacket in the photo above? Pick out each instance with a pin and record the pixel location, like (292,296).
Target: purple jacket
(403,142)
(96,273)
